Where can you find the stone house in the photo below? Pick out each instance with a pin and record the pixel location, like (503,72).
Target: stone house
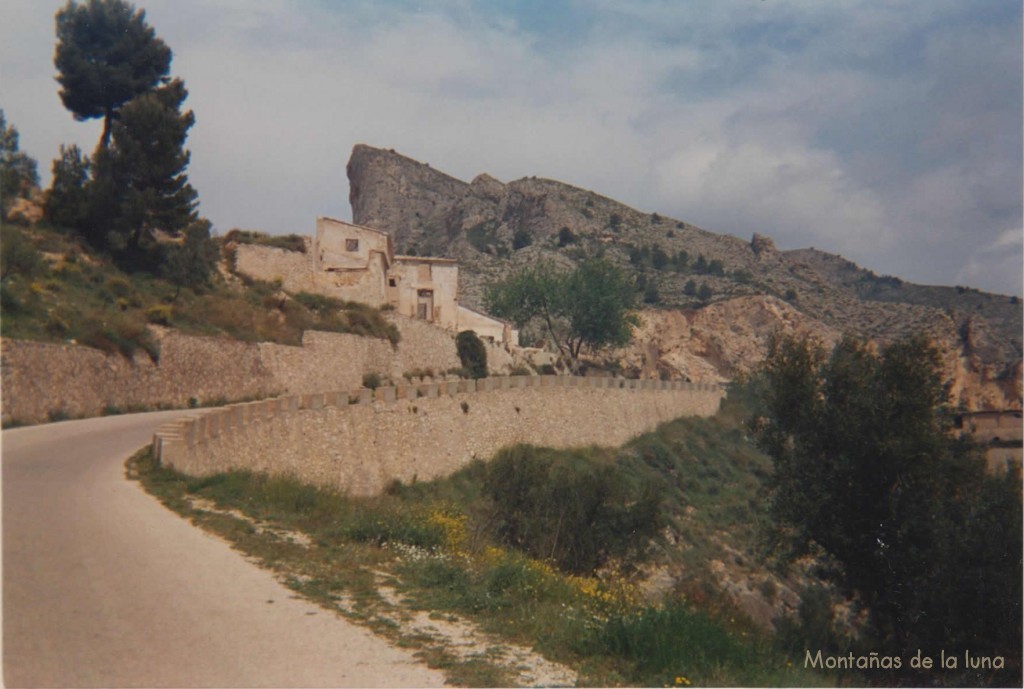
(358,263)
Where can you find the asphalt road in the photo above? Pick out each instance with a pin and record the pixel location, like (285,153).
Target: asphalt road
(103,586)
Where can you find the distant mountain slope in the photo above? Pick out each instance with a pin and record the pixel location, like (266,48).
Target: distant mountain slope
(493,227)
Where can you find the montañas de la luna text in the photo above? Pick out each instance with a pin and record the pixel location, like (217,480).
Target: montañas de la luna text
(874,661)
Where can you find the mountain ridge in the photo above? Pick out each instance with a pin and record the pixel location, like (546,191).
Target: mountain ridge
(494,227)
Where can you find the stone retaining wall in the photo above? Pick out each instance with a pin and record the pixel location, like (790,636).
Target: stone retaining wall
(359,441)
(41,381)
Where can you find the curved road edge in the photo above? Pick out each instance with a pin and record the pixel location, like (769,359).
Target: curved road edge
(103,586)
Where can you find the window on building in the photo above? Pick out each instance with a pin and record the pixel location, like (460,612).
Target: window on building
(392,282)
(351,245)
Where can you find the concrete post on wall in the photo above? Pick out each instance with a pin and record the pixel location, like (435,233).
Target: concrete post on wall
(384,394)
(212,426)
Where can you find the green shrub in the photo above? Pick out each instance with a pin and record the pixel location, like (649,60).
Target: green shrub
(483,236)
(673,641)
(372,380)
(472,353)
(160,314)
(56,327)
(521,239)
(119,286)
(383,525)
(55,415)
(122,335)
(574,509)
(418,373)
(290,242)
(17,254)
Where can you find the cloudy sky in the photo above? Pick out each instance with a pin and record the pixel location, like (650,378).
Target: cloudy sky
(889,132)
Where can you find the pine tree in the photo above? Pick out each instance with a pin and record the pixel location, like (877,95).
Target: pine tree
(67,203)
(106,56)
(139,182)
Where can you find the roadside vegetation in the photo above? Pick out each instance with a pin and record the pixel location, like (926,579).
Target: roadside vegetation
(819,466)
(539,547)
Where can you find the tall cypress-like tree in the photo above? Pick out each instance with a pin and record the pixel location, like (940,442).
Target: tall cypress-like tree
(106,56)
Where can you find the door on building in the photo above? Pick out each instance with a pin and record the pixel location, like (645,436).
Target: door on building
(425,304)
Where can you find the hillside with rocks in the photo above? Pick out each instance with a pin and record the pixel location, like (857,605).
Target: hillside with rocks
(711,300)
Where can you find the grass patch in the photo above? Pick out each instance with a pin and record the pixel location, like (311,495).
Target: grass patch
(289,242)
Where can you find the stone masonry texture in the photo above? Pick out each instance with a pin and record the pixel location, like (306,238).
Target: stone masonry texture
(42,381)
(358,444)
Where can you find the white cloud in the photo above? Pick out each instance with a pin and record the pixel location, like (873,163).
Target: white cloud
(1003,256)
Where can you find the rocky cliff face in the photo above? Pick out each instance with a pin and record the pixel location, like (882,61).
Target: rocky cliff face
(494,227)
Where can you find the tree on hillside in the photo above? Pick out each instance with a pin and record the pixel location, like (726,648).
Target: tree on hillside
(67,203)
(17,170)
(590,306)
(534,292)
(139,181)
(106,56)
(191,262)
(112,65)
(598,303)
(866,468)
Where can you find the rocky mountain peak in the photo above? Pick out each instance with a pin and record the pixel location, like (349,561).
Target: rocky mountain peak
(391,192)
(493,228)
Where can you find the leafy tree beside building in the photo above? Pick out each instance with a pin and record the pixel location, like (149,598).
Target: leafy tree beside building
(589,307)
